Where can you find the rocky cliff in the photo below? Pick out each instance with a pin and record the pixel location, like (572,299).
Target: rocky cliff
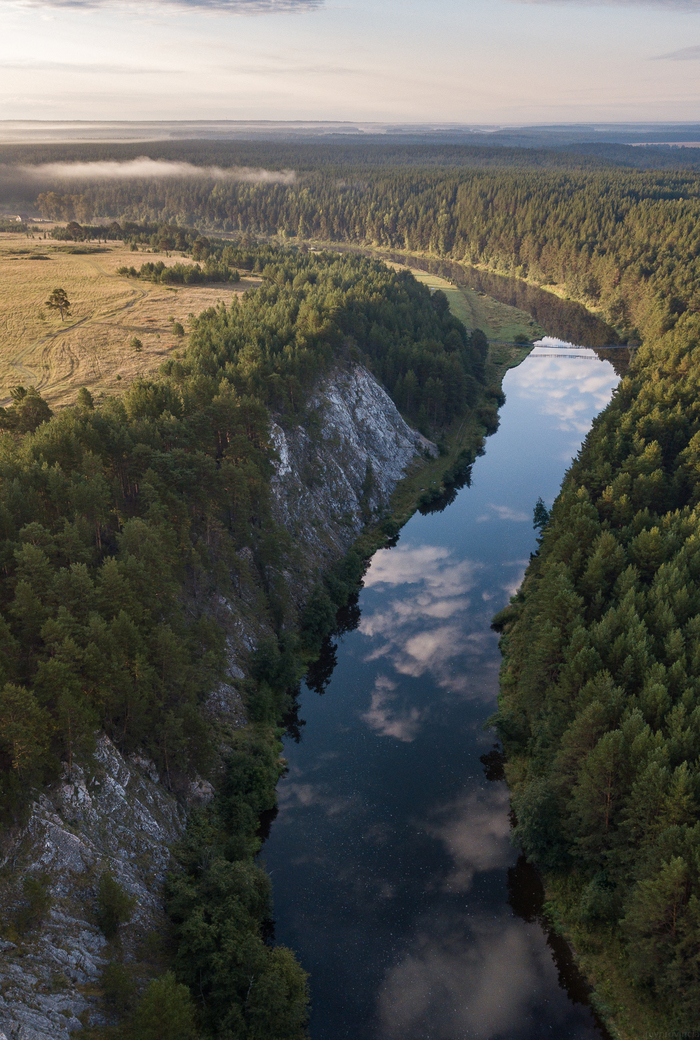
(342,464)
(332,473)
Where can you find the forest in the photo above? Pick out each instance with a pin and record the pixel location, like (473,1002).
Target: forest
(624,242)
(119,521)
(599,707)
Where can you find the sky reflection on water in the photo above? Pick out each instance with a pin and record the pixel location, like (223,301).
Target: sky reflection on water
(391,855)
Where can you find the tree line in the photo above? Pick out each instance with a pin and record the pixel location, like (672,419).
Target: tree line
(181,274)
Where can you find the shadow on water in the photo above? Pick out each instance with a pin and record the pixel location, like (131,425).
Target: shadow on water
(320,672)
(526,897)
(564,319)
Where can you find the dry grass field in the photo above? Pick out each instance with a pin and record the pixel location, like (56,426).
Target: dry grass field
(91,347)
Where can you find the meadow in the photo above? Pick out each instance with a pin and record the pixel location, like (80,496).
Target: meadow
(93,346)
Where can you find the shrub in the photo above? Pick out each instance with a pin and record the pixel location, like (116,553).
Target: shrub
(114,905)
(37,902)
(166,1012)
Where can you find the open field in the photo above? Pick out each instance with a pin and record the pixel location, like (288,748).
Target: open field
(92,346)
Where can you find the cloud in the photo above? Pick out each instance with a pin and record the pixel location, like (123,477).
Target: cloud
(429,565)
(512,586)
(584,391)
(684,54)
(239,7)
(474,977)
(426,628)
(385,719)
(475,831)
(504,513)
(143,167)
(86,67)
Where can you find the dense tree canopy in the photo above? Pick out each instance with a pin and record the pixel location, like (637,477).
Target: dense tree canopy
(600,694)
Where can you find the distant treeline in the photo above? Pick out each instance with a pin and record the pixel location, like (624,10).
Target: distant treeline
(625,242)
(367,150)
(600,688)
(121,527)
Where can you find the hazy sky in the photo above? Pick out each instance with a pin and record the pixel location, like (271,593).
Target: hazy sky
(484,61)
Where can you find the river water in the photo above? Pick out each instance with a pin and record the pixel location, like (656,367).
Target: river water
(394,877)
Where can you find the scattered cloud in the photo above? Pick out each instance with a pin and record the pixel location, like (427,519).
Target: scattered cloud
(293,794)
(94,68)
(503,513)
(477,977)
(426,628)
(584,390)
(429,565)
(143,167)
(236,7)
(387,719)
(512,586)
(475,831)
(670,5)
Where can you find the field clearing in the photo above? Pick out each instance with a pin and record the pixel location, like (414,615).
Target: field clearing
(92,346)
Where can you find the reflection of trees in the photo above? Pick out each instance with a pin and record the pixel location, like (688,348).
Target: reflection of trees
(493,762)
(291,721)
(321,670)
(319,674)
(526,898)
(563,319)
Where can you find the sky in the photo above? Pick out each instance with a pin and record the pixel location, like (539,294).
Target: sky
(458,61)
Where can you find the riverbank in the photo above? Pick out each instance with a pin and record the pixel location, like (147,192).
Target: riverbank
(627,1012)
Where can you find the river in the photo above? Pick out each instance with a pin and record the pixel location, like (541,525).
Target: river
(394,877)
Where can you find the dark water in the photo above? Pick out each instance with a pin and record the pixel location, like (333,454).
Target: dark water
(394,876)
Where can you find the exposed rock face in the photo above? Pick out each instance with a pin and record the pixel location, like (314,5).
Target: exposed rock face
(119,818)
(115,814)
(343,465)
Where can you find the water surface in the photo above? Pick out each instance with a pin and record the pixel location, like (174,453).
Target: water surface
(394,876)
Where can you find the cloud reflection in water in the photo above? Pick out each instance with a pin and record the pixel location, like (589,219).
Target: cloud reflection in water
(384,717)
(475,831)
(431,626)
(469,977)
(581,393)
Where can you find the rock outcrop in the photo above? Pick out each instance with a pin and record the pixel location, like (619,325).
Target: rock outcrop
(342,464)
(115,816)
